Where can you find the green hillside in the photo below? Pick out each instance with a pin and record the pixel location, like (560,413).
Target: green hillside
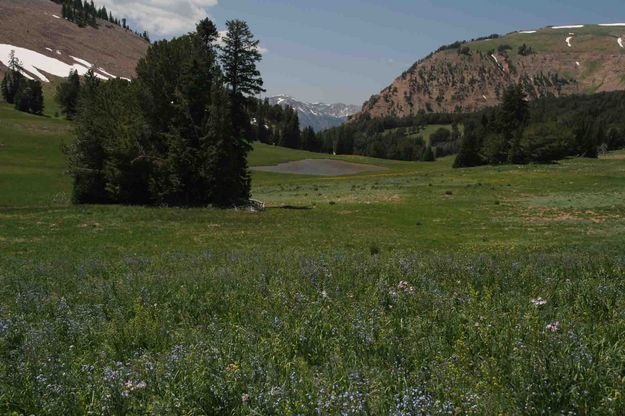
(590,38)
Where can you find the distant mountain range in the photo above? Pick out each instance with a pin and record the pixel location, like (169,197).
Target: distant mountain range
(319,116)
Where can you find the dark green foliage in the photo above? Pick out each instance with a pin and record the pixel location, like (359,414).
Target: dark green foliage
(441,135)
(542,144)
(67,93)
(503,48)
(25,94)
(290,135)
(29,97)
(239,57)
(272,124)
(525,50)
(107,160)
(310,141)
(549,129)
(469,154)
(516,155)
(465,50)
(393,145)
(428,155)
(12,79)
(85,13)
(371,137)
(169,138)
(446,142)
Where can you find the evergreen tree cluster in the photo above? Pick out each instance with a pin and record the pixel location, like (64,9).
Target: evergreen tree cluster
(273,124)
(516,131)
(86,13)
(391,137)
(25,94)
(176,135)
(547,130)
(67,93)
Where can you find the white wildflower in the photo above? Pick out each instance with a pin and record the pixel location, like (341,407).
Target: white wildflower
(553,327)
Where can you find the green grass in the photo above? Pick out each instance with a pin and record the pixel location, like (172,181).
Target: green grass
(406,291)
(591,38)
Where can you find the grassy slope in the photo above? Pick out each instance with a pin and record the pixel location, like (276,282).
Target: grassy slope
(591,38)
(132,310)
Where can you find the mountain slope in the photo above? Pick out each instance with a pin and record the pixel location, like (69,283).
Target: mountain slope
(49,45)
(319,116)
(469,76)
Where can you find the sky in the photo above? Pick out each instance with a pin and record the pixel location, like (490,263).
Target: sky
(347,50)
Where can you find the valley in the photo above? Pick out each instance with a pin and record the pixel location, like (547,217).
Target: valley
(177,240)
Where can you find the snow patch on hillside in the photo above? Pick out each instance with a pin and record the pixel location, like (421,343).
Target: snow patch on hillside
(55,16)
(568,41)
(36,63)
(527,32)
(577,63)
(49,50)
(495,58)
(82,62)
(620,42)
(612,24)
(568,27)
(106,73)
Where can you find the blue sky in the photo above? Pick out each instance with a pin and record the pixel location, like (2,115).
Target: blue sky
(347,50)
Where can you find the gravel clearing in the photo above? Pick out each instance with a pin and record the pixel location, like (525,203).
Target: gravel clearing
(319,167)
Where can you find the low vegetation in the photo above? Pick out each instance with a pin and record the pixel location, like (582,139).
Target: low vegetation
(358,303)
(411,289)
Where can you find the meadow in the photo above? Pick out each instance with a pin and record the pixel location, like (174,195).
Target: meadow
(417,290)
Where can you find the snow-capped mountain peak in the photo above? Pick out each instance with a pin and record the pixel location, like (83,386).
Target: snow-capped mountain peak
(319,116)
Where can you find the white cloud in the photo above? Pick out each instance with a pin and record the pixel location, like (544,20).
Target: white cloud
(161,17)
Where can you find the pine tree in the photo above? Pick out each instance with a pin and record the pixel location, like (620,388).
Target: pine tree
(309,140)
(290,136)
(239,57)
(469,154)
(36,100)
(428,155)
(516,154)
(67,95)
(13,79)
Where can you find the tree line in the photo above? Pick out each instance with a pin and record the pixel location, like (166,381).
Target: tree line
(516,131)
(174,136)
(546,130)
(277,125)
(85,13)
(25,94)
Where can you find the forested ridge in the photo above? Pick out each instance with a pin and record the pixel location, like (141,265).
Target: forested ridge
(86,13)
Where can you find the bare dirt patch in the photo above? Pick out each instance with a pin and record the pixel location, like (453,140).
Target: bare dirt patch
(320,167)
